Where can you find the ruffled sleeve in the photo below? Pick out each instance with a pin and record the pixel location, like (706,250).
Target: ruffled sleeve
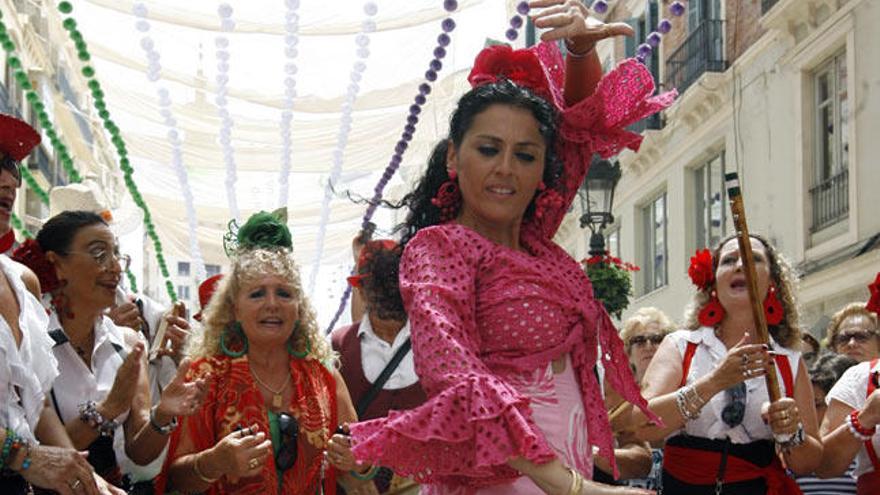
(473,421)
(596,124)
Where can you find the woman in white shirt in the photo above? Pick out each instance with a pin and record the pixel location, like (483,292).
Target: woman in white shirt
(849,429)
(102,394)
(707,384)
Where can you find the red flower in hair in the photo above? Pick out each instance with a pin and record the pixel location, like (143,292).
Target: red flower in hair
(32,256)
(874,301)
(520,66)
(701,271)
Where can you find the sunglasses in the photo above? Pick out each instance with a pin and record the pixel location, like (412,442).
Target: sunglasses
(735,410)
(289,427)
(11,166)
(654,338)
(859,337)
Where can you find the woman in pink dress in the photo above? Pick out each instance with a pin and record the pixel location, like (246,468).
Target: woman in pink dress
(505,329)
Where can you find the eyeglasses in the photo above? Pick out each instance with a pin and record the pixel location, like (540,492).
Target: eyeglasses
(735,410)
(289,427)
(106,258)
(654,338)
(859,336)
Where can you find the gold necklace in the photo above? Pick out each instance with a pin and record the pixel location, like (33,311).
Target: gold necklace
(277,395)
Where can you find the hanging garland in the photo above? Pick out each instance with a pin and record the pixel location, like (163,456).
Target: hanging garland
(652,41)
(18,225)
(291,39)
(226,123)
(362,40)
(69,24)
(424,89)
(39,108)
(154,70)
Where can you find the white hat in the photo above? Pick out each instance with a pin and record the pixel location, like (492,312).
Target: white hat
(86,196)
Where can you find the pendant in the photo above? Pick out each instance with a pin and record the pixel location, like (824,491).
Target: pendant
(276,401)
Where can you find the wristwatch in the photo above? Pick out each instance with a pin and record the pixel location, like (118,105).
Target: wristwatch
(163,429)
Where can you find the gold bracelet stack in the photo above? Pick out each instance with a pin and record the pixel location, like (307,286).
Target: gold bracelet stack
(199,472)
(577,482)
(689,402)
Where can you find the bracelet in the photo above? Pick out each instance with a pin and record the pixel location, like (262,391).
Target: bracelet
(798,438)
(689,402)
(7,447)
(573,54)
(89,414)
(854,418)
(162,429)
(369,475)
(577,482)
(199,472)
(857,431)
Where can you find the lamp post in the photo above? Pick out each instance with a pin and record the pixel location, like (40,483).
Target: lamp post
(597,197)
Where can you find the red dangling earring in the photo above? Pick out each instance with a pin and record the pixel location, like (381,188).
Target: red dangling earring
(546,200)
(448,197)
(712,313)
(773,310)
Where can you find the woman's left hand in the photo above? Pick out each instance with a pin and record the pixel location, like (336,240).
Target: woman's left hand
(783,416)
(180,397)
(570,20)
(339,453)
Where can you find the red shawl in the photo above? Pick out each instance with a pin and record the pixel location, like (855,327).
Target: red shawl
(233,400)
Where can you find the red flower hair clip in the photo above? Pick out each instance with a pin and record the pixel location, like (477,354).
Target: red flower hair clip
(519,66)
(874,301)
(702,270)
(32,256)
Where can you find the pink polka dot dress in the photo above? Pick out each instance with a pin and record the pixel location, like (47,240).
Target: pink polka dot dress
(487,322)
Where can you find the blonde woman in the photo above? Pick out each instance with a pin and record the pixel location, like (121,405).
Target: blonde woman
(274,398)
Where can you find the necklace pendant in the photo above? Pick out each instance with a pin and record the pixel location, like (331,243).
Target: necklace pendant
(276,401)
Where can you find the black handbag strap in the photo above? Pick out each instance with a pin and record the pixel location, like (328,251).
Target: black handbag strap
(367,399)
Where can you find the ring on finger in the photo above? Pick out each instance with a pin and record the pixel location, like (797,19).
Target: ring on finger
(253,463)
(76,483)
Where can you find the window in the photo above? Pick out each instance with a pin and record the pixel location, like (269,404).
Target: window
(612,241)
(830,191)
(183,292)
(711,196)
(654,261)
(211,270)
(643,26)
(183,268)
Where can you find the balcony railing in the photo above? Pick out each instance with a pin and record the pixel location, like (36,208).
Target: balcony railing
(830,201)
(766,5)
(702,51)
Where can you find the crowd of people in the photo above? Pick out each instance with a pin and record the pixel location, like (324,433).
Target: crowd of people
(478,360)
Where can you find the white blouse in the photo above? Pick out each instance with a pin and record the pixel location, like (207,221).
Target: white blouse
(27,371)
(852,390)
(710,351)
(77,383)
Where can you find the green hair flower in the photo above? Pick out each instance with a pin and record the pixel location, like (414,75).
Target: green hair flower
(263,230)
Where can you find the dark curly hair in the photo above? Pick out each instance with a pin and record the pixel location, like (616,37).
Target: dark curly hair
(381,289)
(787,333)
(422,213)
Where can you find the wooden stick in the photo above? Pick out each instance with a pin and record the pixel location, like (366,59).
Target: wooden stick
(734,194)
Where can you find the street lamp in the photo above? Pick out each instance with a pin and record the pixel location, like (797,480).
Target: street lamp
(597,197)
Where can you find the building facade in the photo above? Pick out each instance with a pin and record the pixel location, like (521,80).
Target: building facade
(47,56)
(787,94)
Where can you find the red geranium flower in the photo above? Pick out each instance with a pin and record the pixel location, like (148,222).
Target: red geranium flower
(874,301)
(701,271)
(520,66)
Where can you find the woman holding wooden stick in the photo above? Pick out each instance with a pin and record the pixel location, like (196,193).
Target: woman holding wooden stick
(707,383)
